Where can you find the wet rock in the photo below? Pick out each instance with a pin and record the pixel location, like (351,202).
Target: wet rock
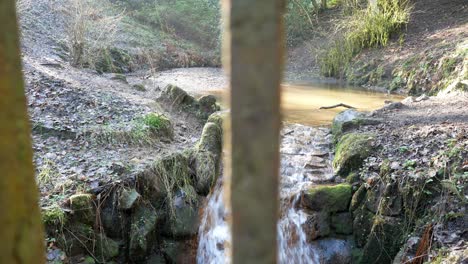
(384,240)
(334,251)
(128,198)
(342,223)
(317,225)
(351,151)
(327,198)
(142,230)
(82,206)
(319,153)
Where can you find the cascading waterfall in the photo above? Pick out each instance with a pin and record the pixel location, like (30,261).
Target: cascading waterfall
(300,146)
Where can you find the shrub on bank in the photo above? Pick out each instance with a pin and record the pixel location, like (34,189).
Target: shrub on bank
(365,28)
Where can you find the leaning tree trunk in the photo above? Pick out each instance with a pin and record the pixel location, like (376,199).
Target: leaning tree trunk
(254,47)
(21,233)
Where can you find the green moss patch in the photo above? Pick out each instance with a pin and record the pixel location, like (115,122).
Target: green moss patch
(327,198)
(351,151)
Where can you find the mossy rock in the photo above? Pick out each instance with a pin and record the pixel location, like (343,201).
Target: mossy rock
(106,248)
(82,205)
(206,171)
(128,198)
(76,238)
(351,151)
(159,125)
(358,197)
(208,104)
(177,96)
(353,177)
(120,77)
(211,139)
(340,119)
(327,198)
(342,223)
(53,217)
(218,118)
(384,240)
(142,231)
(139,87)
(362,225)
(113,60)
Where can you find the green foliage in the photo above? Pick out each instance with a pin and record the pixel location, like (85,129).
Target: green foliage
(145,130)
(54,215)
(365,28)
(156,121)
(298,20)
(194,20)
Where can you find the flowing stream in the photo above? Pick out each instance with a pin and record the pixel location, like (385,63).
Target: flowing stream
(305,160)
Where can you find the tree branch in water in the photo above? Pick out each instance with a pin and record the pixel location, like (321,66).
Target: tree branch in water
(337,105)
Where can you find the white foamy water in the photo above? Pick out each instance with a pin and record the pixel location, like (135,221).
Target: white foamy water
(305,160)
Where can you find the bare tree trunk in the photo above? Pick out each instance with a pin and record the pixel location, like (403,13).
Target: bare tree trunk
(254,42)
(21,233)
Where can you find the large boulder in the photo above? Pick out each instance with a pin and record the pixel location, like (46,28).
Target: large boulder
(329,198)
(177,96)
(351,151)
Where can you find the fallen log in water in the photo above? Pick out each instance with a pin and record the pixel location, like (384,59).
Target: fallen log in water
(337,105)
